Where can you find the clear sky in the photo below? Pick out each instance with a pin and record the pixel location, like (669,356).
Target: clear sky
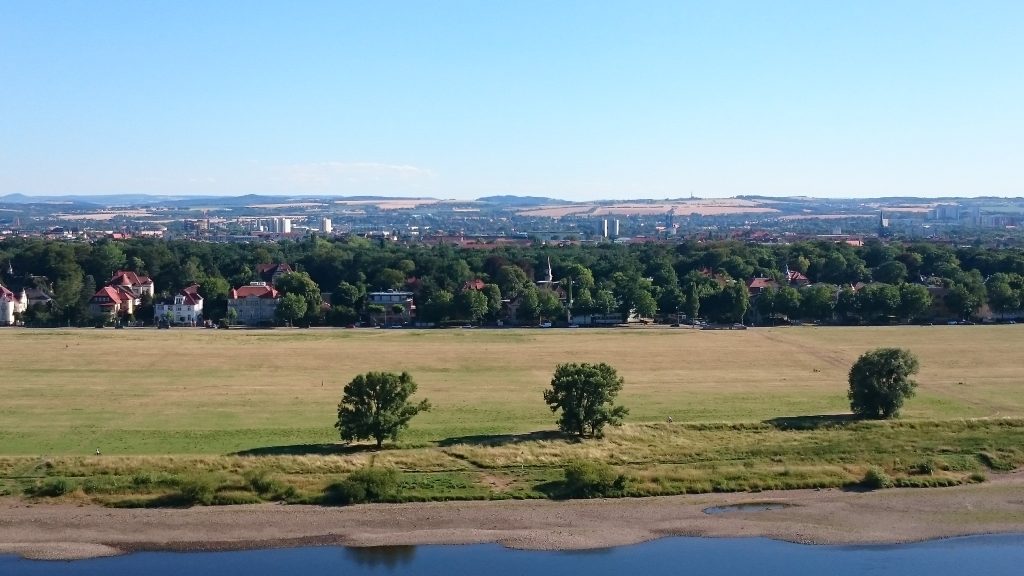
(461,99)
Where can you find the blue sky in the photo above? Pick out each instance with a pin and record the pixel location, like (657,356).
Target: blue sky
(577,100)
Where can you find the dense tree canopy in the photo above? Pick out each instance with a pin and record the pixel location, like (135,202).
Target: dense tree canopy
(880,382)
(877,283)
(376,405)
(585,395)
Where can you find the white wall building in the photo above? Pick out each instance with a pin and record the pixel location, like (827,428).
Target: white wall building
(11,304)
(186,308)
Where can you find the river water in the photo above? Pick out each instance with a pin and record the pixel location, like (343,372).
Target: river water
(975,555)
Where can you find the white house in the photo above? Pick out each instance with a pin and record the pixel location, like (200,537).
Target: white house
(186,308)
(11,304)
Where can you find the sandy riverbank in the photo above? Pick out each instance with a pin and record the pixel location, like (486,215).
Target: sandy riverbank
(67,531)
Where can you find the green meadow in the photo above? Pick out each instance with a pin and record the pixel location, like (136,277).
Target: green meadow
(754,409)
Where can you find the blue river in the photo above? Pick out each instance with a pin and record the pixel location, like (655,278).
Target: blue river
(975,555)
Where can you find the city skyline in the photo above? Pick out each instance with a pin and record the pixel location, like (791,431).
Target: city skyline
(578,101)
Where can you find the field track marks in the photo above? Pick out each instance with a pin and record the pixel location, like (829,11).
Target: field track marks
(828,356)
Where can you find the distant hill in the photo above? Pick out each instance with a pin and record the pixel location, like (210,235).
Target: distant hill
(509,200)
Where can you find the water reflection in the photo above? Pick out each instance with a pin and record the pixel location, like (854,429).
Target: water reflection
(988,555)
(382,556)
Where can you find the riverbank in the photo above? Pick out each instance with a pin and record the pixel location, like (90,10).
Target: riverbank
(62,531)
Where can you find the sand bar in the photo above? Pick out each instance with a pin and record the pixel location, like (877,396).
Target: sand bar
(68,531)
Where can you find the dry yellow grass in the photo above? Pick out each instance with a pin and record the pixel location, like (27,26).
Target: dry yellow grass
(205,391)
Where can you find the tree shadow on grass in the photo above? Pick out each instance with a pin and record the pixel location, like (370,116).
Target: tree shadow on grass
(331,449)
(506,439)
(814,422)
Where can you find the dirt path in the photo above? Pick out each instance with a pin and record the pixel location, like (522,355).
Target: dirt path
(826,516)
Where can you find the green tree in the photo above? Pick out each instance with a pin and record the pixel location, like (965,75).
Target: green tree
(290,308)
(604,301)
(348,295)
(818,301)
(740,301)
(471,305)
(512,280)
(962,300)
(390,279)
(493,295)
(376,405)
(891,272)
(301,285)
(438,306)
(915,301)
(550,306)
(585,394)
(879,301)
(880,382)
(529,306)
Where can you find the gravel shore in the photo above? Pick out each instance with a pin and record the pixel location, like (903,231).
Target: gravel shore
(69,531)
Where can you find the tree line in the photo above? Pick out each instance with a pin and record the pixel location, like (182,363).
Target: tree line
(696,279)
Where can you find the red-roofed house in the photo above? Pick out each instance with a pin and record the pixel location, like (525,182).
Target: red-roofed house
(474,284)
(186,308)
(11,304)
(759,285)
(254,304)
(797,279)
(138,285)
(111,302)
(270,272)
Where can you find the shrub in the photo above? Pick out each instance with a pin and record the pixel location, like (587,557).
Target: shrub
(978,477)
(370,484)
(196,490)
(876,478)
(52,487)
(268,487)
(585,479)
(923,468)
(234,497)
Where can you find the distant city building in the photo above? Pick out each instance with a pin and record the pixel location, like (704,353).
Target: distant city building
(325,226)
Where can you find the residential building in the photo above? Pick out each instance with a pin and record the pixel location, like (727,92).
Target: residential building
(254,304)
(389,300)
(137,285)
(185,308)
(39,296)
(325,226)
(11,304)
(758,285)
(113,302)
(269,272)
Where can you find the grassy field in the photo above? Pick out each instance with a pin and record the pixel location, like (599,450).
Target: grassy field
(190,400)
